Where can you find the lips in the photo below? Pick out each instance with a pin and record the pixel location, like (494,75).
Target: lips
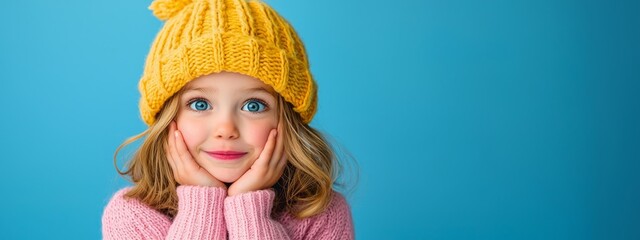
(226,155)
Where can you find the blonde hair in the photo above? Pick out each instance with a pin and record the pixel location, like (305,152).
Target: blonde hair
(305,188)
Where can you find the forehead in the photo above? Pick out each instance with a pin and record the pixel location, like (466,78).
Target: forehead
(228,81)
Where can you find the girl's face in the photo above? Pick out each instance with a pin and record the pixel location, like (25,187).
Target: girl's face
(225,119)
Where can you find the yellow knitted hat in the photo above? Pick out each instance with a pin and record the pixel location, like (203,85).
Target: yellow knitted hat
(201,37)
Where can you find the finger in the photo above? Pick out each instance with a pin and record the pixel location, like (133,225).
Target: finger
(189,164)
(168,154)
(173,156)
(279,149)
(267,151)
(278,171)
(282,162)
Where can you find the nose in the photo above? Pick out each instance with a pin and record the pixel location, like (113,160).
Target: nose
(226,128)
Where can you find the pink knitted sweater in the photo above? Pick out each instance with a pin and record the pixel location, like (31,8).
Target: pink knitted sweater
(208,213)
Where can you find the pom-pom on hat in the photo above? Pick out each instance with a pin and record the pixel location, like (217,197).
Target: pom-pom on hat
(201,37)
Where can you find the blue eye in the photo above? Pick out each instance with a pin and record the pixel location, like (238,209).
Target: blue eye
(199,105)
(254,106)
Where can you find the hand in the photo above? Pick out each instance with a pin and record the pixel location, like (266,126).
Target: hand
(185,169)
(266,170)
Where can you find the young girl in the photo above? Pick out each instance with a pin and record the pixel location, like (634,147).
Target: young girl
(227,95)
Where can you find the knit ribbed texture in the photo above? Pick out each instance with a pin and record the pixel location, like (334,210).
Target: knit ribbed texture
(207,213)
(130,219)
(201,37)
(248,216)
(199,213)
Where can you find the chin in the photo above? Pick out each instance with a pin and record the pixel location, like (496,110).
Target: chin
(225,174)
(227,178)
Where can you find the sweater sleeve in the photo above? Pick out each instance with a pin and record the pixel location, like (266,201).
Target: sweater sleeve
(248,216)
(334,223)
(130,219)
(200,216)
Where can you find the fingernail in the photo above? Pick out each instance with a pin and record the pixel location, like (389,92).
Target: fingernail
(175,133)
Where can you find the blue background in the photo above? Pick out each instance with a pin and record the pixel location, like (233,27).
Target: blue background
(468,119)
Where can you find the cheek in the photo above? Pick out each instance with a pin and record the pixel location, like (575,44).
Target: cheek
(258,134)
(191,134)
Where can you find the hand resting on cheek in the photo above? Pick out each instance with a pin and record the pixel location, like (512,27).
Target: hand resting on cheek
(263,174)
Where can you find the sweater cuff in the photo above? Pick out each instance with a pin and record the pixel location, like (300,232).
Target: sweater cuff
(248,211)
(200,210)
(200,199)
